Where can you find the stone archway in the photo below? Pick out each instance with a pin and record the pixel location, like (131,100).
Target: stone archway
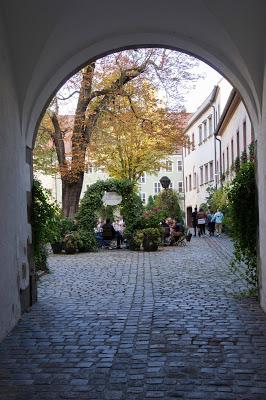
(42,44)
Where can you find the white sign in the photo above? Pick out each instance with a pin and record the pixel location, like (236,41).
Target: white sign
(111,198)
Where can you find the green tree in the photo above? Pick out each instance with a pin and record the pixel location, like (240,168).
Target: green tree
(95,88)
(168,200)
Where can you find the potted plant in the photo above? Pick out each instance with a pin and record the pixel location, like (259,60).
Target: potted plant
(151,239)
(70,242)
(86,241)
(148,238)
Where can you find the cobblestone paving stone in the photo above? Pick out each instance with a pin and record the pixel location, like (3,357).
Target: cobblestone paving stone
(118,325)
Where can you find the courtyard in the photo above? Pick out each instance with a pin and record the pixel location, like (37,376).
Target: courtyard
(139,325)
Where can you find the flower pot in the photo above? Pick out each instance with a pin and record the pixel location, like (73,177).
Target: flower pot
(57,247)
(148,244)
(70,250)
(188,237)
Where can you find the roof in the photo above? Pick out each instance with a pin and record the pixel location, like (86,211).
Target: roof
(203,107)
(233,101)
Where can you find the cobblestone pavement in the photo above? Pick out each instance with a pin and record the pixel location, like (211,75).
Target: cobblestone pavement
(130,325)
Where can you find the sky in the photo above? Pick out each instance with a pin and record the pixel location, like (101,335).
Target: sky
(193,99)
(203,87)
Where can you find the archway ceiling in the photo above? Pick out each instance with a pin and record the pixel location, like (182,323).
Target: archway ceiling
(49,39)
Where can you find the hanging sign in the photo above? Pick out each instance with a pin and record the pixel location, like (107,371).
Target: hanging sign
(111,198)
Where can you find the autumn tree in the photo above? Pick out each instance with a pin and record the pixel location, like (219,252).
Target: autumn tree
(94,90)
(134,135)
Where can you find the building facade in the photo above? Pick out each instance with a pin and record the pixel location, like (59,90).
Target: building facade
(149,184)
(218,132)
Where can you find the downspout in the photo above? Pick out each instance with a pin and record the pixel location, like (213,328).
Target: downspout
(215,157)
(183,169)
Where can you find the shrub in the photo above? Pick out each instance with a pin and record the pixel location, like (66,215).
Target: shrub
(168,200)
(243,218)
(44,218)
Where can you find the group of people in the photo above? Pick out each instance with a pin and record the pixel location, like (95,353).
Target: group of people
(106,232)
(213,220)
(173,230)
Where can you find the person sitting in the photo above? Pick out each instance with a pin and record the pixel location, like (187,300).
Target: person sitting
(177,231)
(108,233)
(166,232)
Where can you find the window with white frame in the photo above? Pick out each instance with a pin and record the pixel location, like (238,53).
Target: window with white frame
(90,168)
(157,187)
(143,197)
(180,186)
(189,183)
(171,185)
(142,179)
(194,180)
(200,134)
(210,125)
(206,173)
(211,170)
(186,183)
(201,175)
(205,130)
(179,166)
(168,166)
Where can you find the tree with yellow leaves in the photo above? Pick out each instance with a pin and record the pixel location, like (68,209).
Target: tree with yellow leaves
(97,90)
(134,135)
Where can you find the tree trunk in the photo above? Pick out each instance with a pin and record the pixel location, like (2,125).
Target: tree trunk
(70,195)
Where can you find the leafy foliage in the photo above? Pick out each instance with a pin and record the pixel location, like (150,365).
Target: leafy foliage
(116,94)
(244,218)
(131,206)
(168,201)
(44,220)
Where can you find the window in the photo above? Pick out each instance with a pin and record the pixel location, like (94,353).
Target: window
(157,187)
(90,169)
(194,180)
(232,152)
(179,166)
(237,144)
(205,130)
(189,183)
(252,134)
(186,183)
(180,187)
(193,141)
(200,134)
(142,179)
(210,125)
(227,158)
(143,197)
(223,164)
(206,173)
(211,170)
(171,185)
(244,136)
(168,166)
(201,175)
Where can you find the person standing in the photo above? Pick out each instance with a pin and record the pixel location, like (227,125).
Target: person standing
(201,220)
(218,220)
(210,223)
(194,220)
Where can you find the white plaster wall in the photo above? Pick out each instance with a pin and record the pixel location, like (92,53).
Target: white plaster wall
(261,183)
(235,124)
(203,153)
(43,53)
(13,208)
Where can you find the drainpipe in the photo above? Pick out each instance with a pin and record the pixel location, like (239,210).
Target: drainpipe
(220,151)
(215,157)
(184,183)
